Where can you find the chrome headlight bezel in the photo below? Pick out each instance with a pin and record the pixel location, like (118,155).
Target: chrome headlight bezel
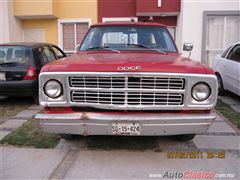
(198,89)
(58,88)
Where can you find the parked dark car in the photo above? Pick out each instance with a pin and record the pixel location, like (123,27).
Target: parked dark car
(20,64)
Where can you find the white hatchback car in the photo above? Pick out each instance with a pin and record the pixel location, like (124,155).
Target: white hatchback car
(227,69)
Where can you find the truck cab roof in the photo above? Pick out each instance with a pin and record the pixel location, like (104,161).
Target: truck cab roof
(128,24)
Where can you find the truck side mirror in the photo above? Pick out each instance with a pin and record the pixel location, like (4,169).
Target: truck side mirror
(188,47)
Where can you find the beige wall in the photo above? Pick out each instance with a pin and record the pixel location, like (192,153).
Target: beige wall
(76,9)
(49,25)
(10,26)
(4,23)
(32,8)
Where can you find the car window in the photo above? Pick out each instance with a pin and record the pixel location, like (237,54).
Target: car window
(42,56)
(49,54)
(124,37)
(225,52)
(58,53)
(234,54)
(18,55)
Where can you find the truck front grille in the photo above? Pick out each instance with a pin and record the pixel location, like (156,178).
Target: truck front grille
(133,98)
(142,82)
(126,91)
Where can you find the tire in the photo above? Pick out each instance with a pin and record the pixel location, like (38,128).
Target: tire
(66,136)
(185,137)
(221,90)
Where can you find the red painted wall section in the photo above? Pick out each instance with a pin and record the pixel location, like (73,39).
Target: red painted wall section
(151,6)
(116,8)
(167,21)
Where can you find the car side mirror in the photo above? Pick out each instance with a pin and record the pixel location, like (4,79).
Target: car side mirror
(187,47)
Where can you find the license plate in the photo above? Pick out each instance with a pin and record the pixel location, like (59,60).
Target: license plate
(2,77)
(126,128)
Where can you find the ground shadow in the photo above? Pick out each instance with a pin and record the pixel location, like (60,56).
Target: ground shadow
(232,95)
(16,100)
(130,143)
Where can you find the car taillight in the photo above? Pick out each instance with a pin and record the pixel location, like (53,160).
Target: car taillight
(31,74)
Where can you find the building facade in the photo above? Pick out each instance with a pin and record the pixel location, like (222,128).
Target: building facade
(164,11)
(63,23)
(210,25)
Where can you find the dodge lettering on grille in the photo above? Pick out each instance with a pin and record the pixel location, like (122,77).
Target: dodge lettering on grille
(129,68)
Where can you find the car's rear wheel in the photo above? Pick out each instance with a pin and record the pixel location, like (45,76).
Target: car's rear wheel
(221,90)
(66,136)
(185,137)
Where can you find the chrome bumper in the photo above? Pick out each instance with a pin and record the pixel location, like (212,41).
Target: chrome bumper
(101,123)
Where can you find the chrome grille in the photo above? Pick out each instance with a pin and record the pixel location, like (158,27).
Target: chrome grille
(126,91)
(97,82)
(141,82)
(133,98)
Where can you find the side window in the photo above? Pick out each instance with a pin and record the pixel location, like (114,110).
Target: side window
(225,52)
(49,54)
(42,56)
(58,53)
(234,54)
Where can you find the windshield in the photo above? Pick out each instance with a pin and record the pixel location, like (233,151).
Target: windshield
(128,38)
(14,55)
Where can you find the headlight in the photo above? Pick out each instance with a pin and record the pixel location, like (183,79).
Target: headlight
(53,89)
(201,91)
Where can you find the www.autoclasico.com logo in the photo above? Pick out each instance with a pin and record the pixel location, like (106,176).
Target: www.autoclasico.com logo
(192,175)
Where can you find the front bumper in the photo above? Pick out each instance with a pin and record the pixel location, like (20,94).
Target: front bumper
(19,88)
(151,124)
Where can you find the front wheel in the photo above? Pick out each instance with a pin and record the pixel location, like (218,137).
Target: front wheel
(185,137)
(221,90)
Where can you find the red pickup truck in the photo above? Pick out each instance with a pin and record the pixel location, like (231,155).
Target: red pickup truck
(127,78)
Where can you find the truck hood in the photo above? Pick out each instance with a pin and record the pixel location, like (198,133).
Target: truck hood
(110,61)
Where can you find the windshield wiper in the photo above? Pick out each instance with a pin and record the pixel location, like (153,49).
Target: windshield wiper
(147,47)
(103,47)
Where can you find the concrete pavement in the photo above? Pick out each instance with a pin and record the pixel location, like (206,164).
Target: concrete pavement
(18,120)
(102,163)
(29,163)
(79,159)
(141,165)
(232,100)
